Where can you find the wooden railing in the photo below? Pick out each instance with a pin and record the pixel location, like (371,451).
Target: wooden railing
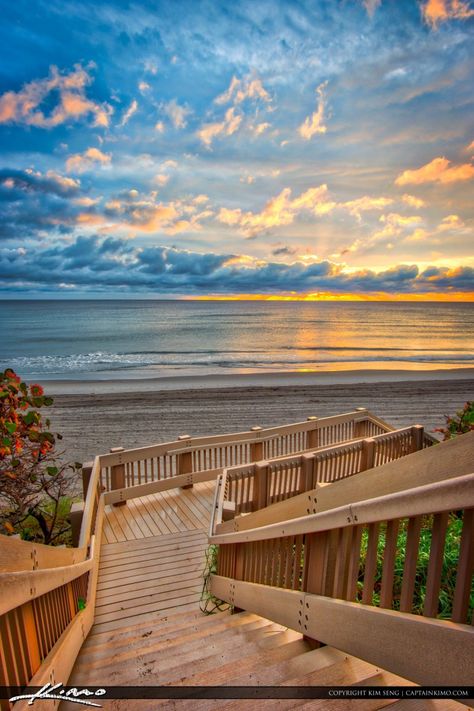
(255,486)
(351,576)
(123,469)
(47,602)
(47,595)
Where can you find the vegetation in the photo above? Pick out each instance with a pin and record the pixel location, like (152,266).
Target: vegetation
(209,604)
(460,423)
(34,486)
(448,577)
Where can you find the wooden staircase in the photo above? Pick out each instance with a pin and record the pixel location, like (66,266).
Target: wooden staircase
(191,649)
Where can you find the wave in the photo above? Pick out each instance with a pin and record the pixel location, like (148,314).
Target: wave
(165,360)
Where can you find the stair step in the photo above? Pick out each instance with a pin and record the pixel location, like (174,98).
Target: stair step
(173,658)
(168,606)
(99,636)
(162,632)
(171,642)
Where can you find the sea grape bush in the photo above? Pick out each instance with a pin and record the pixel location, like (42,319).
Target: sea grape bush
(460,423)
(33,485)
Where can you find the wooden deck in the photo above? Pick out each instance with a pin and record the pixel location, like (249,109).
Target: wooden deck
(160,514)
(152,556)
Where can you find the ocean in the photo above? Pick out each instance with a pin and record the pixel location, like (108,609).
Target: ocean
(97,340)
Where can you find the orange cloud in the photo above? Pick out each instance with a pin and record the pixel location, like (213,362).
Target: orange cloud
(438,171)
(413,201)
(436,11)
(241,89)
(315,123)
(279,210)
(227,127)
(22,107)
(80,162)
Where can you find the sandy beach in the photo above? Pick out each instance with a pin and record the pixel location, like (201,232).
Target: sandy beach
(94,416)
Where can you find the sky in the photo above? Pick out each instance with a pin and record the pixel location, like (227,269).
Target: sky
(191,148)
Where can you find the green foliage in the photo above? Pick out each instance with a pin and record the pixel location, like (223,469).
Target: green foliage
(460,423)
(448,576)
(34,487)
(209,604)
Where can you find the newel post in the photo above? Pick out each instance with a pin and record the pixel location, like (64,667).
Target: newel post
(117,477)
(312,438)
(256,448)
(360,425)
(86,476)
(306,476)
(184,460)
(418,433)
(261,485)
(368,454)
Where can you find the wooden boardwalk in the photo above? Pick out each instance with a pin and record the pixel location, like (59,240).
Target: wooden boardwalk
(152,556)
(171,511)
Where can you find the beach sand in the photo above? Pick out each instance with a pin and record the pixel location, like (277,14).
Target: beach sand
(96,416)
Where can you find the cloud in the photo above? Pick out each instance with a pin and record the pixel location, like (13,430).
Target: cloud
(241,89)
(143,87)
(161,179)
(31,181)
(279,210)
(365,204)
(315,123)
(436,11)
(127,115)
(227,127)
(413,201)
(160,127)
(438,171)
(176,113)
(97,263)
(371,6)
(68,91)
(81,162)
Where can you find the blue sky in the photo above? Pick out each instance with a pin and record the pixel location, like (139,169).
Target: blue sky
(197,148)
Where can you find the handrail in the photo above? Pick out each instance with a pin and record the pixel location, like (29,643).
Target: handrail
(426,466)
(254,487)
(122,468)
(448,495)
(331,574)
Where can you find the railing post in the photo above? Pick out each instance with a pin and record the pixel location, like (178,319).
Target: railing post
(27,617)
(368,454)
(184,460)
(238,569)
(418,432)
(86,476)
(117,476)
(360,426)
(307,467)
(315,569)
(75,516)
(261,485)
(256,448)
(312,435)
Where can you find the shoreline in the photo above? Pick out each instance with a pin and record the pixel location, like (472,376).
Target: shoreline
(252,380)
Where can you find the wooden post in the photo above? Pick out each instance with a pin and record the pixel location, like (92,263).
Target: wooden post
(238,570)
(261,485)
(315,569)
(256,448)
(184,460)
(418,432)
(368,454)
(27,619)
(360,426)
(312,435)
(75,517)
(86,475)
(118,476)
(307,466)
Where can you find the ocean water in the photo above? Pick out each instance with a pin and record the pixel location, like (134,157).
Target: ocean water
(94,340)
